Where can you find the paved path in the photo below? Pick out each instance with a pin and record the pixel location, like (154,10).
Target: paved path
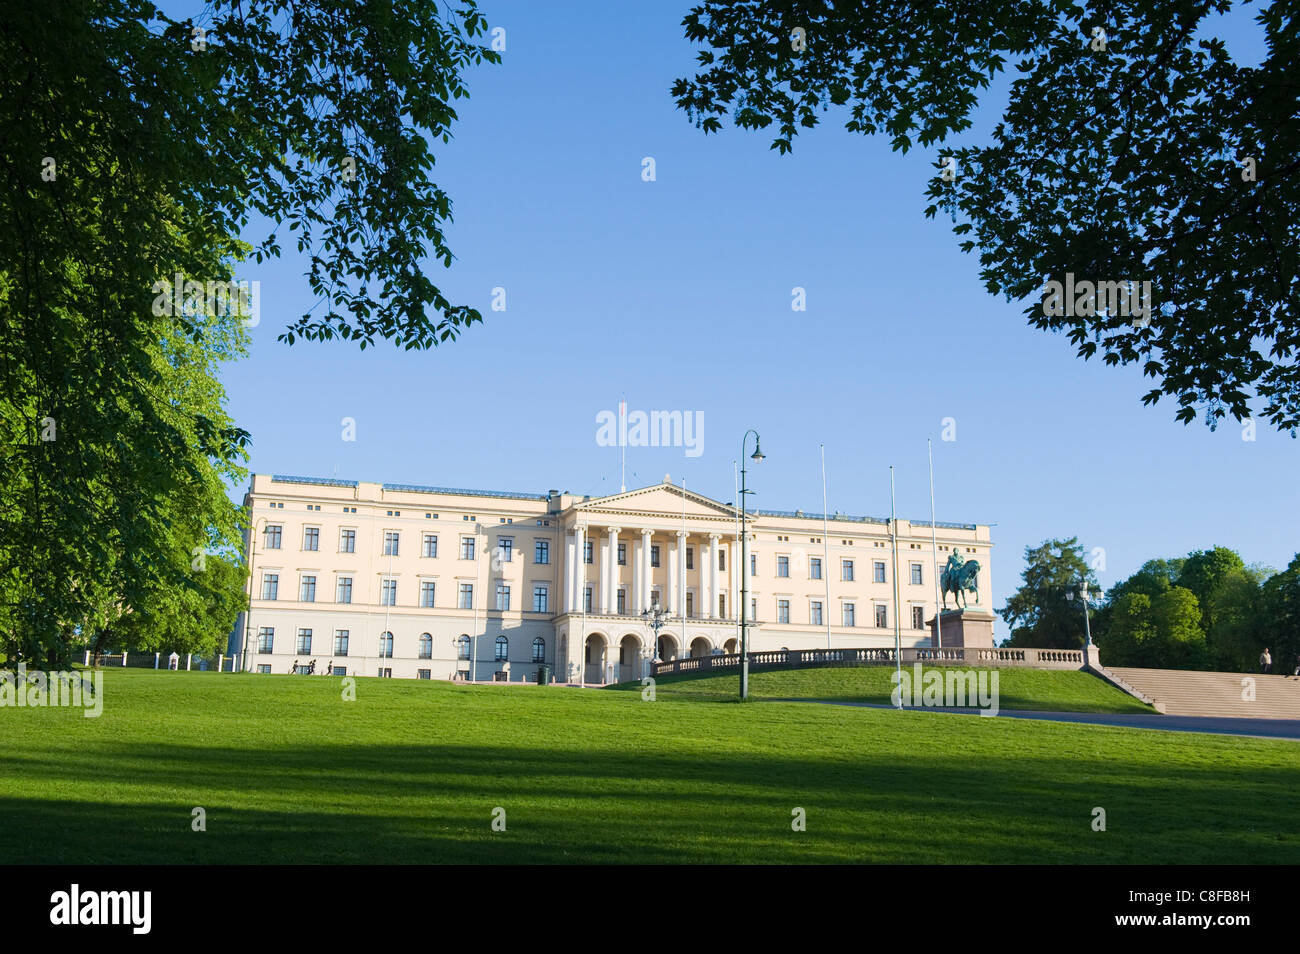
(1258,728)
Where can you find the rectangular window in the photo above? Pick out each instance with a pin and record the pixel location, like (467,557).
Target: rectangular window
(848,615)
(916,574)
(467,548)
(465,600)
(427,590)
(622,602)
(815,613)
(506,549)
(391,542)
(587,552)
(846,571)
(429,546)
(311,538)
(271,534)
(690,605)
(304,642)
(264,668)
(388,596)
(503,597)
(586,600)
(341,642)
(423,674)
(270,586)
(722,559)
(814,568)
(622,554)
(347,541)
(307,589)
(878,571)
(343,590)
(266,639)
(654,554)
(690,558)
(783,611)
(722,606)
(783,566)
(918,617)
(540,599)
(340,671)
(502,649)
(541,551)
(753,608)
(753,564)
(882,616)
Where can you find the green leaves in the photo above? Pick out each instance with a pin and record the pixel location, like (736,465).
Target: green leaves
(1113,165)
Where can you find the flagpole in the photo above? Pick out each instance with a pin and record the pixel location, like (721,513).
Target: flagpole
(898,635)
(736,557)
(934,552)
(826,560)
(622,440)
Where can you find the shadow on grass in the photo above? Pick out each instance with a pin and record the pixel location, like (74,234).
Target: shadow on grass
(433,803)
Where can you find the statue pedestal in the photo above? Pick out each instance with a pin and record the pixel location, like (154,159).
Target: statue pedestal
(963,627)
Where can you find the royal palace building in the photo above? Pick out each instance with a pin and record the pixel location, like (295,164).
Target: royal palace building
(369,579)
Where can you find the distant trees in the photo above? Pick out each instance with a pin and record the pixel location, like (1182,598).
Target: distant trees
(1040,613)
(1208,610)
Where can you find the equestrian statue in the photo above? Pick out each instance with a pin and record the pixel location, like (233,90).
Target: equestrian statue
(958,577)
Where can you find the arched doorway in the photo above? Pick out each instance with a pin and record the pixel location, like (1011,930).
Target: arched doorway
(630,664)
(668,650)
(700,647)
(593,660)
(730,646)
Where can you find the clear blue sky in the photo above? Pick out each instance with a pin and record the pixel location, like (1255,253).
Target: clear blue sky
(677,293)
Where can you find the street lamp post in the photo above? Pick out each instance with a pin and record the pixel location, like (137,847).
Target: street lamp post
(655,616)
(1084,596)
(744,564)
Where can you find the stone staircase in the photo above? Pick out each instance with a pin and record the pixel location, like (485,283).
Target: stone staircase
(1183,692)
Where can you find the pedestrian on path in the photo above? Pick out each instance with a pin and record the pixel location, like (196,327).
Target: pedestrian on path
(1265,661)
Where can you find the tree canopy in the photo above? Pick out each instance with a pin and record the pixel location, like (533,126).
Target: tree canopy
(1132,148)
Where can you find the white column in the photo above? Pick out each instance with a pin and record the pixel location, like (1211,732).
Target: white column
(647,572)
(733,559)
(670,596)
(613,569)
(571,552)
(602,589)
(681,572)
(713,575)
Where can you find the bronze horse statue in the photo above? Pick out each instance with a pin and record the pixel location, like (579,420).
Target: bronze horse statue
(958,582)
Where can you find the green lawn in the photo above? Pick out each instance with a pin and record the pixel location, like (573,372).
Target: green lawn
(1053,691)
(411,772)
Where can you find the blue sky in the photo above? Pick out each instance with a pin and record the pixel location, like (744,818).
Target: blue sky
(677,294)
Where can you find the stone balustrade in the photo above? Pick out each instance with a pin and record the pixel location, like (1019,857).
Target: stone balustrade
(982,657)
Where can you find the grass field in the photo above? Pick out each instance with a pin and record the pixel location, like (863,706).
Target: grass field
(1063,691)
(411,772)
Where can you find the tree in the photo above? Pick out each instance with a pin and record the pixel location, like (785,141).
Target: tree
(136,148)
(1132,149)
(1280,617)
(1040,613)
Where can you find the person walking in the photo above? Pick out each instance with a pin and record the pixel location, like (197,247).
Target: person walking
(1265,661)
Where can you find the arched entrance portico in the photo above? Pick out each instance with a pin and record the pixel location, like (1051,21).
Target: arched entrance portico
(730,646)
(668,648)
(629,658)
(593,660)
(700,647)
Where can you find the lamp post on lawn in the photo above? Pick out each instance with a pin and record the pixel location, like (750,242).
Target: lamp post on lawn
(656,617)
(758,455)
(1084,597)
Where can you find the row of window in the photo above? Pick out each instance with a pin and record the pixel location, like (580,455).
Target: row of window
(388,592)
(848,614)
(342,639)
(273,538)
